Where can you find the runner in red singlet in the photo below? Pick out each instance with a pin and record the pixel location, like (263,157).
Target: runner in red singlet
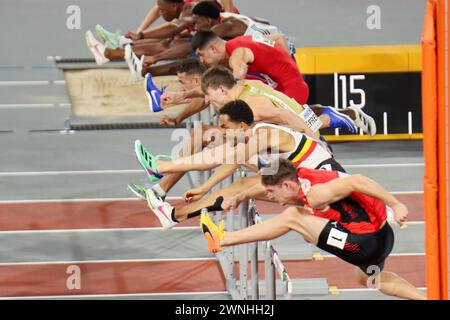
(253,54)
(344,215)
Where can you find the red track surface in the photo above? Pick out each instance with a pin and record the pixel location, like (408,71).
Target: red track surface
(112,278)
(153,277)
(341,274)
(117,214)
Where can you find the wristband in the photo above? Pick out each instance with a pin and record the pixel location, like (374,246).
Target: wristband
(141,35)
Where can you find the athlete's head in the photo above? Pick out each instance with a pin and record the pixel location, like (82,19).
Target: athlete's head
(217,83)
(235,118)
(170,9)
(206,15)
(190,73)
(283,186)
(209,47)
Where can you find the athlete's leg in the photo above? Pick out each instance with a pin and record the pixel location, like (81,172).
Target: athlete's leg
(114,54)
(319,109)
(141,47)
(167,69)
(291,219)
(393,285)
(192,147)
(193,209)
(349,119)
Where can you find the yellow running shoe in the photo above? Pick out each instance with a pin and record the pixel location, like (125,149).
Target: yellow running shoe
(212,233)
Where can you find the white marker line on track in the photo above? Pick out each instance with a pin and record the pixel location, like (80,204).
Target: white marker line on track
(119,295)
(25,83)
(399,254)
(31,82)
(34,263)
(135,199)
(383,165)
(367,289)
(27,105)
(79,200)
(126,171)
(56,173)
(7,232)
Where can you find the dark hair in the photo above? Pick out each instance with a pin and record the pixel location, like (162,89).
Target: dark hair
(202,38)
(238,111)
(175,1)
(218,76)
(191,67)
(286,171)
(207,9)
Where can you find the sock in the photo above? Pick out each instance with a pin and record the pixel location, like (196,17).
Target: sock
(124,41)
(159,191)
(173,216)
(217,206)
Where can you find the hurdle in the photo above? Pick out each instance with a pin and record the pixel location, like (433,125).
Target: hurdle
(240,288)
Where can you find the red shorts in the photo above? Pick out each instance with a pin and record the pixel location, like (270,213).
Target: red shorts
(297,90)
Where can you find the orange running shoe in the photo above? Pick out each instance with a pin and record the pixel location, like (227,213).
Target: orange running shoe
(212,233)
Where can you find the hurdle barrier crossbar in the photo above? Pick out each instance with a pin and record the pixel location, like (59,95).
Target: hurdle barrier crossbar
(241,288)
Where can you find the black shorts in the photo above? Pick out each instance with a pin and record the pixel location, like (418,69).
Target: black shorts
(365,251)
(330,165)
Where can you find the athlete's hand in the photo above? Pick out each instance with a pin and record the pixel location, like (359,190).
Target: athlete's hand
(133,36)
(165,121)
(171,98)
(400,214)
(193,195)
(230,203)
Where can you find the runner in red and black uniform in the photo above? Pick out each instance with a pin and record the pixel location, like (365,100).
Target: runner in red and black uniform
(253,54)
(345,215)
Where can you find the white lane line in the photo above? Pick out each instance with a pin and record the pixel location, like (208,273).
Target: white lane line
(25,83)
(135,199)
(26,105)
(119,295)
(59,173)
(383,165)
(367,289)
(402,254)
(5,83)
(407,192)
(8,232)
(34,263)
(79,200)
(125,171)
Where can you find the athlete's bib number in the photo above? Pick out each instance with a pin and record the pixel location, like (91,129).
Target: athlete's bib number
(337,238)
(261,39)
(310,118)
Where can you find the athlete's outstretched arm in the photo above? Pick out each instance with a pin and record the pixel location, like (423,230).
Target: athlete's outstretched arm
(257,191)
(219,175)
(175,52)
(223,154)
(227,5)
(195,106)
(239,60)
(170,29)
(229,29)
(264,111)
(320,196)
(152,16)
(171,98)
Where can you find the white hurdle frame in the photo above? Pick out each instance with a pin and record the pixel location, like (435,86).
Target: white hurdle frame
(241,289)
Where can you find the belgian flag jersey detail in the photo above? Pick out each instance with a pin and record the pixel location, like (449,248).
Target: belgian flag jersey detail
(307,153)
